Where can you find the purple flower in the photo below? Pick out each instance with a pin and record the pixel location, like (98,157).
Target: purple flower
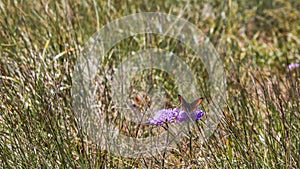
(183,116)
(169,115)
(293,66)
(199,114)
(164,115)
(186,117)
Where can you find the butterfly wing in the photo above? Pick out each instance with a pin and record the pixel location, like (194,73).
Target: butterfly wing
(195,104)
(187,107)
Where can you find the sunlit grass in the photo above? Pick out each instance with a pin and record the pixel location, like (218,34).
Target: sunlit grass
(40,42)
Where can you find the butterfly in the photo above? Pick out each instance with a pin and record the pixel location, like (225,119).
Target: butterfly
(189,107)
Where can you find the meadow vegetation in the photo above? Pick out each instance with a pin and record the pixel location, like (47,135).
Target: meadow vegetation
(40,42)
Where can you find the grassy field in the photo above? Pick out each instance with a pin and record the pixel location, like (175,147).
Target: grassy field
(40,42)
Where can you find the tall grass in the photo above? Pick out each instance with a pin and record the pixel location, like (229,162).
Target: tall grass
(40,42)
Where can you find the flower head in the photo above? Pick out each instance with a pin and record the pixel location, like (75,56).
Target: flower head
(187,117)
(199,114)
(162,116)
(293,66)
(169,116)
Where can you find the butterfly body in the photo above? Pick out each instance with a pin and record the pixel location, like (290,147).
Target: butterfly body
(189,107)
